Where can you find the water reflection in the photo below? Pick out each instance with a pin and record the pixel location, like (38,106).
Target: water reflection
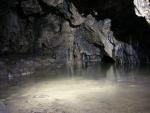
(109,73)
(101,85)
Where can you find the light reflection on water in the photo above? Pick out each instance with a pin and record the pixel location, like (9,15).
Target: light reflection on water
(94,87)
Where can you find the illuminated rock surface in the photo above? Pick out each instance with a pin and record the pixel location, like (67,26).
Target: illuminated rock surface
(38,28)
(142,8)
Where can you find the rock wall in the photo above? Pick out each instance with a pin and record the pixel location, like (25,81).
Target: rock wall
(142,8)
(55,28)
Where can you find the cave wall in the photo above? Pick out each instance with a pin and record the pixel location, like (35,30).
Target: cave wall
(73,30)
(128,24)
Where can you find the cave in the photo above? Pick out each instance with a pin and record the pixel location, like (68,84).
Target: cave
(74,56)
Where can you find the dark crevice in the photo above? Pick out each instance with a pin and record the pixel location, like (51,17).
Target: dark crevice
(126,25)
(105,57)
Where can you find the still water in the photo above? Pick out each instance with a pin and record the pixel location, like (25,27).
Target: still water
(93,88)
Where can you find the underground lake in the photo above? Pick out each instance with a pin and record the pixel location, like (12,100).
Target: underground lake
(93,88)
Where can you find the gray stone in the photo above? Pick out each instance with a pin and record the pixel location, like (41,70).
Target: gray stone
(53,2)
(3,108)
(61,33)
(31,7)
(76,18)
(101,34)
(71,13)
(142,8)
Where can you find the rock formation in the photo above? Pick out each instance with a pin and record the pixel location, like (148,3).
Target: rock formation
(57,29)
(142,8)
(3,108)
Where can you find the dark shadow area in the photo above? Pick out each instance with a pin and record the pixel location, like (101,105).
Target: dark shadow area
(127,27)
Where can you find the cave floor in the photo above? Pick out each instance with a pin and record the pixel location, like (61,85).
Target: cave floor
(88,90)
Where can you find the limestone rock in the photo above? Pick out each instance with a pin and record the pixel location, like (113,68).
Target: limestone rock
(53,2)
(55,28)
(71,13)
(65,51)
(76,18)
(10,32)
(3,108)
(31,7)
(48,33)
(142,8)
(85,50)
(101,34)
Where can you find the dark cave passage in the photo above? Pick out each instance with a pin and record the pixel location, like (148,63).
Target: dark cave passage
(126,25)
